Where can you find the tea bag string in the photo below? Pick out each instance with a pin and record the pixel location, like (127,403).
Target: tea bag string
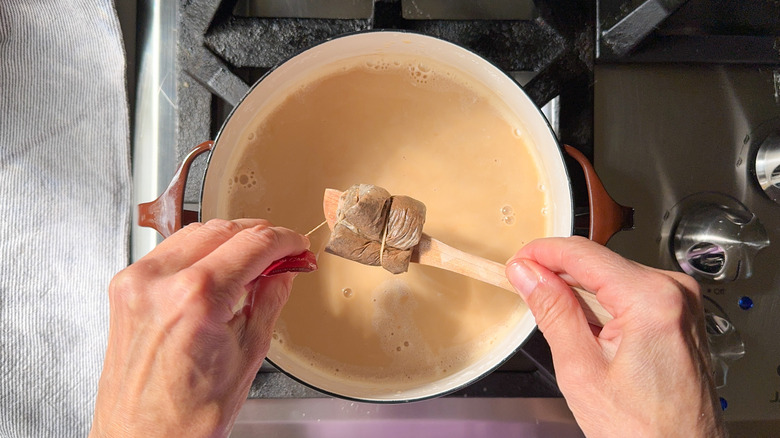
(384,237)
(316,228)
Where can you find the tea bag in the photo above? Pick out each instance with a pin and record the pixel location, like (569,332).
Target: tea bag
(374,228)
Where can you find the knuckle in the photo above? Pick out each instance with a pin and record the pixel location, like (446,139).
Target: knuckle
(264,236)
(579,241)
(253,222)
(122,282)
(579,249)
(222,226)
(671,304)
(126,288)
(191,282)
(548,306)
(190,227)
(130,286)
(190,291)
(263,223)
(670,289)
(578,245)
(687,282)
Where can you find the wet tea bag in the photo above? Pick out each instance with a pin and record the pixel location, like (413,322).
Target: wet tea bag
(374,228)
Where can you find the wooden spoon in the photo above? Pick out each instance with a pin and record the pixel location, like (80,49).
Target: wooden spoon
(432,252)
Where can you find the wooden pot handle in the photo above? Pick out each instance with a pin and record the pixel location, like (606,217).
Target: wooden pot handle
(166,214)
(607,217)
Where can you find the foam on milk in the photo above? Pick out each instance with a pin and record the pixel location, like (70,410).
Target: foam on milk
(416,128)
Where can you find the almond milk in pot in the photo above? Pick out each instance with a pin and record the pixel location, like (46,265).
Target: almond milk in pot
(420,117)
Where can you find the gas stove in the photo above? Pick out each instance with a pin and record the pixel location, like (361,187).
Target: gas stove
(676,102)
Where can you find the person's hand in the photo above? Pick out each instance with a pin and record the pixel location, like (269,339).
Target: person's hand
(647,372)
(179,360)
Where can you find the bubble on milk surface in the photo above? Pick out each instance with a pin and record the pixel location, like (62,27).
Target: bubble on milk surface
(507,214)
(243,180)
(381,64)
(420,73)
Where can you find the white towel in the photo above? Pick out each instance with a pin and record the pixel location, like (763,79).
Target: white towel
(64,207)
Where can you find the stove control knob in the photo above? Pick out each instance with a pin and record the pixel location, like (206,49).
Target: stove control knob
(767,166)
(725,345)
(716,242)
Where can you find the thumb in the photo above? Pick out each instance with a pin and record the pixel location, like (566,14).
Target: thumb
(268,297)
(552,302)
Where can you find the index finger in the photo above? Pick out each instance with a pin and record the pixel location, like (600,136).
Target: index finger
(243,258)
(579,257)
(595,268)
(193,242)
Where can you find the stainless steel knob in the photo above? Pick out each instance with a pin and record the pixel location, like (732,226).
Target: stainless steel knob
(725,344)
(718,241)
(767,166)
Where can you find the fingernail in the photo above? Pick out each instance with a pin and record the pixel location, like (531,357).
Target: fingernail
(522,277)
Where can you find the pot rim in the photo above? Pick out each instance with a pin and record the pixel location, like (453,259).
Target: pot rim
(407,400)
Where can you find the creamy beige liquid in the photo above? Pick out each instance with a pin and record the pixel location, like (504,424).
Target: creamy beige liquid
(414,128)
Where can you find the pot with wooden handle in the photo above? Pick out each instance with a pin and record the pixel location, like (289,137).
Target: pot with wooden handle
(229,172)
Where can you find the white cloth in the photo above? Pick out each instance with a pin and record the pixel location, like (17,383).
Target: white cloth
(64,207)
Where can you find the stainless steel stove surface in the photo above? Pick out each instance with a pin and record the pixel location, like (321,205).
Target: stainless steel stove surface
(674,141)
(677,102)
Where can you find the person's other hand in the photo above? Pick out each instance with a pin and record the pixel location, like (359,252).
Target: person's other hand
(647,372)
(179,360)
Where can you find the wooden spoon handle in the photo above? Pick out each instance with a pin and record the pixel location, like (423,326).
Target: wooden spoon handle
(434,253)
(431,252)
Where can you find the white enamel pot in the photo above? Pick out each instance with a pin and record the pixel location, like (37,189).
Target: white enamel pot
(166,213)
